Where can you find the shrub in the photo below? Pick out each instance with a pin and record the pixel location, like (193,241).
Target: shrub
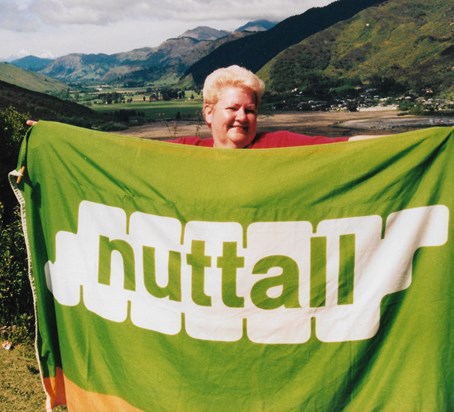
(16,301)
(12,131)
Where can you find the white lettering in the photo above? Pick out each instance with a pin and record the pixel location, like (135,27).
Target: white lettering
(217,283)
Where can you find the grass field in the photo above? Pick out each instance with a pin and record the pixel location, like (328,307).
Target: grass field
(156,110)
(20,383)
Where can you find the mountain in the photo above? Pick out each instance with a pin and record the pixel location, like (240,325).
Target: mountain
(164,63)
(32,63)
(400,44)
(255,51)
(33,81)
(168,60)
(205,33)
(257,25)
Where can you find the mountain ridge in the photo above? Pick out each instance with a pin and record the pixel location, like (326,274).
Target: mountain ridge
(400,44)
(255,51)
(172,57)
(204,33)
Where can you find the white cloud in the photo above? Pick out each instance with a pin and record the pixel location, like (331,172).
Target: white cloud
(90,26)
(100,12)
(23,53)
(14,16)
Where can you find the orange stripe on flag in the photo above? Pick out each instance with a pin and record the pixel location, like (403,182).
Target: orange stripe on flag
(62,391)
(55,389)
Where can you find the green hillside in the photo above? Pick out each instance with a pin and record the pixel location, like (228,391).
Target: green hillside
(29,80)
(43,106)
(254,51)
(399,45)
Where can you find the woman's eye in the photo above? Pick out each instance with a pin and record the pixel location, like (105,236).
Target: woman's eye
(246,110)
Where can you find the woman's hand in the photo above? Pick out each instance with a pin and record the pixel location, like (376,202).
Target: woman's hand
(30,123)
(366,136)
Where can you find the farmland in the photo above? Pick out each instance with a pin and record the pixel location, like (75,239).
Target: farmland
(143,105)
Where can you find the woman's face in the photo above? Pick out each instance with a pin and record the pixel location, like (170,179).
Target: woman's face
(233,119)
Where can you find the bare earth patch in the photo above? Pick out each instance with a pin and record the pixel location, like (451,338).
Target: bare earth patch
(332,124)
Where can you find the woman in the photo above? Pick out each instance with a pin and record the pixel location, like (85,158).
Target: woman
(231,98)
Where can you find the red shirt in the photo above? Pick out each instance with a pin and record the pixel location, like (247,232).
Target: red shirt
(268,140)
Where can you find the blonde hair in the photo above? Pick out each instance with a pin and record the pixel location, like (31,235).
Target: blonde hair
(232,76)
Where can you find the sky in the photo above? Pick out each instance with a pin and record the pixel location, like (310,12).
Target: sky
(53,28)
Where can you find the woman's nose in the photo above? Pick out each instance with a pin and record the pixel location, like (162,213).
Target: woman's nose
(241,114)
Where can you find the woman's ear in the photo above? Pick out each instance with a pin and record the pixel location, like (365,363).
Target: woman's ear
(208,114)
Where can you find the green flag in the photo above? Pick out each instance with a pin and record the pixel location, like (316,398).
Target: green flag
(176,278)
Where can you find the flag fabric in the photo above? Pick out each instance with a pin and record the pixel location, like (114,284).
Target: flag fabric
(176,278)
